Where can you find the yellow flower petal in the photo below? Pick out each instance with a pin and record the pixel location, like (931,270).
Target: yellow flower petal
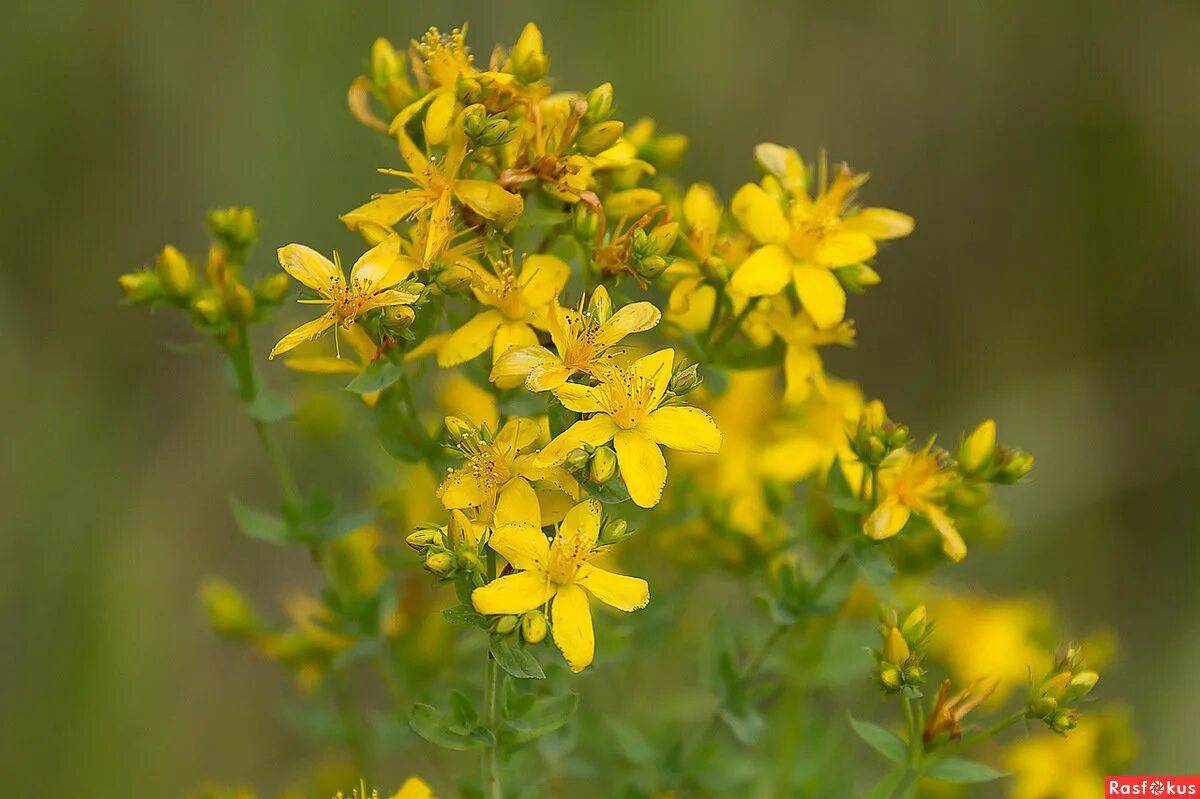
(615,590)
(387,297)
(631,202)
(784,163)
(518,504)
(880,223)
(323,364)
(656,368)
(548,376)
(888,518)
(306,332)
(844,248)
(413,788)
(522,545)
(701,210)
(633,318)
(470,340)
(510,336)
(595,431)
(801,367)
(765,272)
(952,542)
(489,200)
(438,117)
(517,434)
(759,215)
(542,278)
(582,523)
(792,459)
(572,626)
(821,294)
(578,398)
(515,593)
(386,209)
(310,268)
(642,466)
(460,489)
(682,428)
(377,266)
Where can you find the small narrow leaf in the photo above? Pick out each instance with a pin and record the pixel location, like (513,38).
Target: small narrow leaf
(514,659)
(376,377)
(883,741)
(957,769)
(259,524)
(270,408)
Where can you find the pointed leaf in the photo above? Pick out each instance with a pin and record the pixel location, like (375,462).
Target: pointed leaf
(957,769)
(515,659)
(376,377)
(885,742)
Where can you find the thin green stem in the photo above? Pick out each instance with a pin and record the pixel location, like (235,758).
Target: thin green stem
(491,754)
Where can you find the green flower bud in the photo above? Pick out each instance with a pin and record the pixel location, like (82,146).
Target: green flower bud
(398,317)
(663,238)
(208,308)
(652,267)
(1014,464)
(1042,707)
(507,624)
(454,279)
(534,627)
(468,90)
(604,465)
(459,430)
(577,459)
(599,104)
(600,137)
(1082,684)
(228,611)
(174,272)
(857,278)
(600,305)
(423,537)
(140,287)
(585,222)
(234,227)
(686,379)
(615,530)
(976,451)
(914,623)
(914,675)
(440,563)
(890,678)
(384,62)
(1063,721)
(272,289)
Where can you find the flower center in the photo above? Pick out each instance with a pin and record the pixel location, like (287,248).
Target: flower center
(626,396)
(567,554)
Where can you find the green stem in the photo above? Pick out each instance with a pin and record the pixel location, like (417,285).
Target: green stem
(491,754)
(354,727)
(915,748)
(248,391)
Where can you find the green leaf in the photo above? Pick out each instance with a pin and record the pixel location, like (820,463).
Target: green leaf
(515,659)
(885,742)
(463,708)
(466,616)
(547,715)
(270,408)
(873,562)
(517,704)
(376,377)
(399,433)
(259,524)
(437,728)
(560,418)
(957,769)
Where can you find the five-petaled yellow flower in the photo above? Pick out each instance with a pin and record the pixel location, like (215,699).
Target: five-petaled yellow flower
(625,408)
(559,570)
(516,301)
(497,463)
(915,482)
(581,340)
(811,239)
(371,286)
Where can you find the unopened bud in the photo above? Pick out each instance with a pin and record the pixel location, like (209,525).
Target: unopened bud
(1063,721)
(600,305)
(1042,707)
(686,379)
(398,317)
(615,530)
(239,300)
(631,202)
(604,465)
(895,648)
(663,238)
(1014,464)
(857,278)
(533,627)
(507,624)
(272,289)
(174,272)
(665,152)
(384,62)
(577,459)
(600,137)
(235,227)
(890,678)
(1082,684)
(458,429)
(139,287)
(422,538)
(914,623)
(1056,686)
(460,529)
(439,563)
(975,452)
(914,675)
(208,308)
(228,611)
(652,267)
(585,222)
(469,90)
(454,279)
(599,104)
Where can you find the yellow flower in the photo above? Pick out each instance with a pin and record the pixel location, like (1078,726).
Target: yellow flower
(438,188)
(811,239)
(371,286)
(581,339)
(414,788)
(625,408)
(1001,637)
(915,482)
(497,463)
(1050,766)
(515,302)
(558,570)
(802,364)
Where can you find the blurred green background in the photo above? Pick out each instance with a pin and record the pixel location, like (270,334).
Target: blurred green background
(1047,150)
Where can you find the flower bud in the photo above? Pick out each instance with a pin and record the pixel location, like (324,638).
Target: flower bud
(615,530)
(585,222)
(976,451)
(663,238)
(1082,684)
(454,279)
(208,308)
(228,611)
(468,90)
(533,627)
(1056,686)
(439,563)
(857,278)
(1014,464)
(890,678)
(529,62)
(600,137)
(398,317)
(1042,707)
(422,538)
(140,287)
(895,648)
(599,104)
(577,459)
(272,289)
(914,675)
(914,623)
(460,530)
(665,152)
(1063,721)
(459,430)
(600,305)
(384,62)
(507,624)
(652,267)
(239,300)
(686,379)
(631,202)
(174,272)
(234,227)
(604,465)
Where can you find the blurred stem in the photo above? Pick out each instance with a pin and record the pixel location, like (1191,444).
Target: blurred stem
(248,391)
(914,734)
(491,687)
(354,727)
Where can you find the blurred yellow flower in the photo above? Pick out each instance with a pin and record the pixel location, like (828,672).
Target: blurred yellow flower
(1050,766)
(915,482)
(1004,638)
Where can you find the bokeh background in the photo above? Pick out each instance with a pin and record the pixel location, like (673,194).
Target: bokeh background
(1048,151)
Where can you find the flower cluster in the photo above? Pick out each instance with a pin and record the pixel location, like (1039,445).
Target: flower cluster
(574,361)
